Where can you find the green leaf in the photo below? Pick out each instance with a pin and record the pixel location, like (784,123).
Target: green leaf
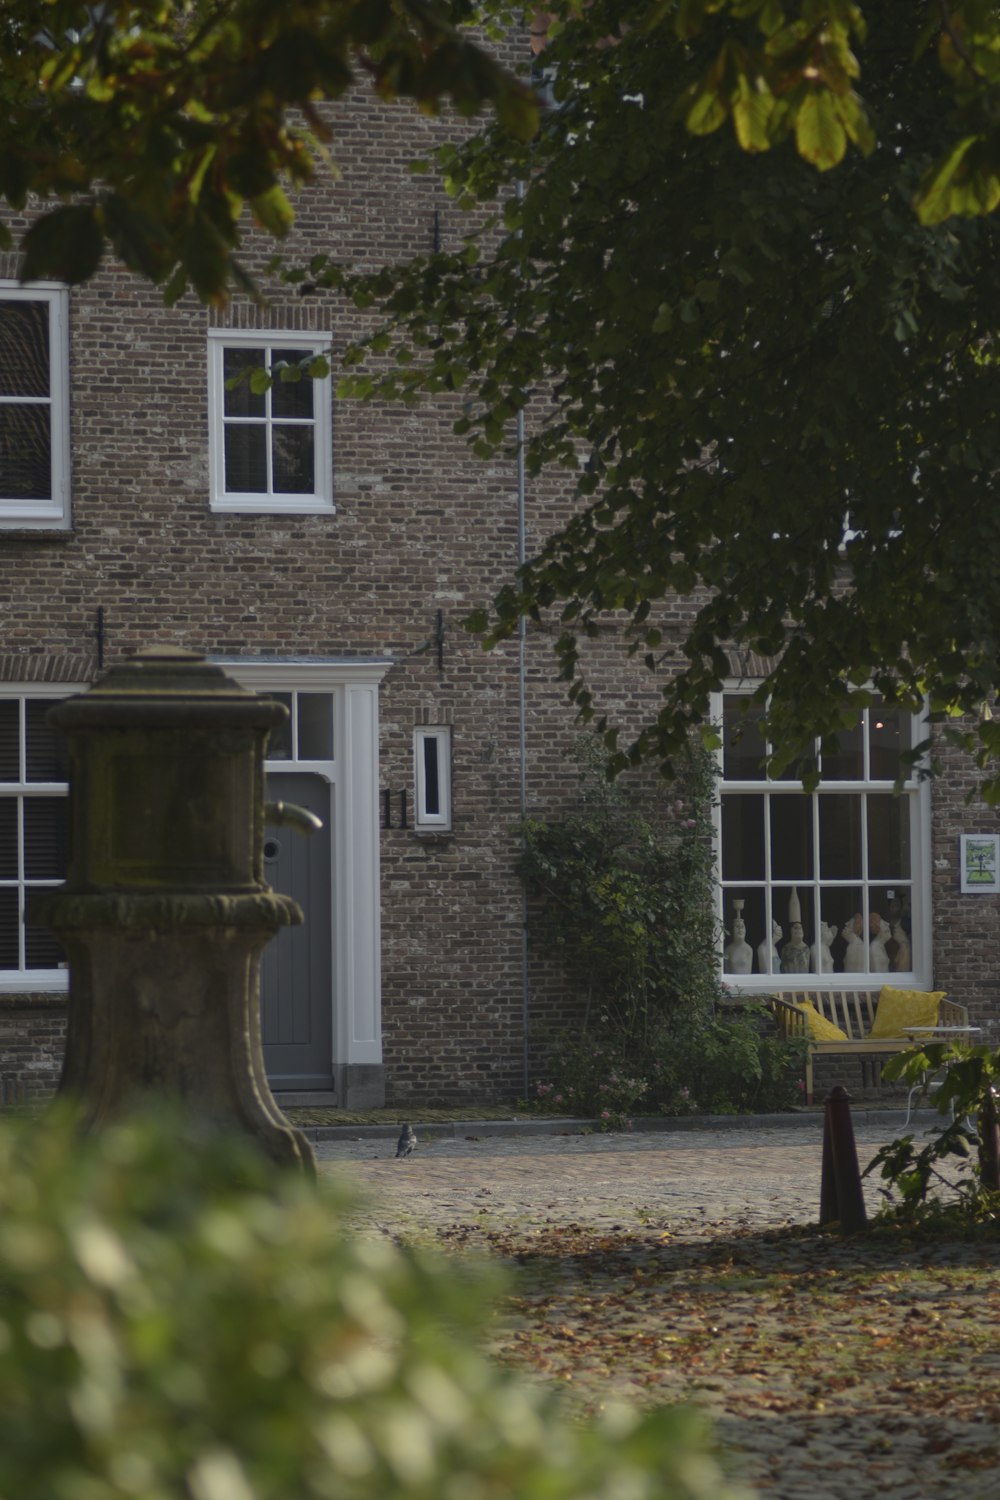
(274,211)
(965,181)
(752,111)
(707,112)
(819,135)
(65,243)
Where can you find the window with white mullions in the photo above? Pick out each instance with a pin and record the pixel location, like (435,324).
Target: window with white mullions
(270,450)
(829,883)
(34,406)
(307,733)
(33,819)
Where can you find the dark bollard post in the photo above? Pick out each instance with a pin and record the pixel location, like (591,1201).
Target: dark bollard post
(841,1197)
(989,1143)
(165,910)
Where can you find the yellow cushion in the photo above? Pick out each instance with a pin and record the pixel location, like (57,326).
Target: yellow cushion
(898,1009)
(818,1027)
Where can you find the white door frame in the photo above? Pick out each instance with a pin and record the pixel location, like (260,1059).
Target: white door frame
(355,922)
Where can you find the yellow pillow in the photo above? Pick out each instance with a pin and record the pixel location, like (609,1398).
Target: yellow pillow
(898,1009)
(818,1027)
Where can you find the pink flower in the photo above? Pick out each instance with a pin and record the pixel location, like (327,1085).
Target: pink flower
(605,1114)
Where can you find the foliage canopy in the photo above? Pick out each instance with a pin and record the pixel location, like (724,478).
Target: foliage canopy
(152,124)
(745,296)
(769,372)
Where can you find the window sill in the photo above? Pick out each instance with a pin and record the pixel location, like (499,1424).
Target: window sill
(738,987)
(271,509)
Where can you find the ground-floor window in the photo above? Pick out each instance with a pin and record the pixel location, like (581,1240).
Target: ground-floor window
(33,809)
(828,883)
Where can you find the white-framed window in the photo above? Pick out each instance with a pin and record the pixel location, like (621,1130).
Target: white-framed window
(268,451)
(34,406)
(432,777)
(33,819)
(827,886)
(308,732)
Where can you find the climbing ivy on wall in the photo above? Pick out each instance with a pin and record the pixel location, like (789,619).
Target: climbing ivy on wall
(621,895)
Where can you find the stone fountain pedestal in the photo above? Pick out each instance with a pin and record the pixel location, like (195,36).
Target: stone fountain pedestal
(165,910)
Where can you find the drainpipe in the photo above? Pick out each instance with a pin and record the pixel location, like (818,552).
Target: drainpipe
(522,631)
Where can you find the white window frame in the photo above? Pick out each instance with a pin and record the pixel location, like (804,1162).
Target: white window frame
(320,502)
(52,514)
(425,736)
(24,980)
(917,793)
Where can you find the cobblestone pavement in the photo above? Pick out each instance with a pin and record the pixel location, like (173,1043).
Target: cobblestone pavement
(700,1184)
(761,1177)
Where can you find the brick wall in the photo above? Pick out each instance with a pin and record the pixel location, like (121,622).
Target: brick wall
(419,528)
(966,926)
(32,1038)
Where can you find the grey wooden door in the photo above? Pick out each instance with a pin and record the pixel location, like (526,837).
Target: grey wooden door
(297,970)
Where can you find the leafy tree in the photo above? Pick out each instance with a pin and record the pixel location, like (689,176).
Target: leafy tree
(159,121)
(769,372)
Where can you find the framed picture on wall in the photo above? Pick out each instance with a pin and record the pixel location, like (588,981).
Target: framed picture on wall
(980,863)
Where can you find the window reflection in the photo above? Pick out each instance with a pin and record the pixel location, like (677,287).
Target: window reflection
(821,882)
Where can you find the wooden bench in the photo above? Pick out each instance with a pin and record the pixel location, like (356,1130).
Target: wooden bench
(854,1012)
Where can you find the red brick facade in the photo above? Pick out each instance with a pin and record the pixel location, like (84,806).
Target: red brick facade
(421,532)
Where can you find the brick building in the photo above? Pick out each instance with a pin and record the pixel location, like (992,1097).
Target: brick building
(326,552)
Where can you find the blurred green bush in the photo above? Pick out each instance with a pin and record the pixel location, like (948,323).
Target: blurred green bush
(178,1320)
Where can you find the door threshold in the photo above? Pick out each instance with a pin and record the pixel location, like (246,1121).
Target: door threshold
(308,1099)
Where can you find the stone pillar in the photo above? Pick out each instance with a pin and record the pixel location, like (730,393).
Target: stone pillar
(165,910)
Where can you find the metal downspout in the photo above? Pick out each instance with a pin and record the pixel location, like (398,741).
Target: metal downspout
(522,746)
(522,729)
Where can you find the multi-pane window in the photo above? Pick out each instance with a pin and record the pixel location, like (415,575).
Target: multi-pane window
(33,809)
(828,882)
(270,449)
(34,438)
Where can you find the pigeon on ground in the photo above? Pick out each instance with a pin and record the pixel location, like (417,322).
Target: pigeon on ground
(407,1141)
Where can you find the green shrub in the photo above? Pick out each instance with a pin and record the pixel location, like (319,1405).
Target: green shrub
(968,1099)
(727,1062)
(625,900)
(178,1322)
(592,1078)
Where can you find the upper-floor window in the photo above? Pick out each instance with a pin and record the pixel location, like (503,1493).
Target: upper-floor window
(829,883)
(33,807)
(270,450)
(34,406)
